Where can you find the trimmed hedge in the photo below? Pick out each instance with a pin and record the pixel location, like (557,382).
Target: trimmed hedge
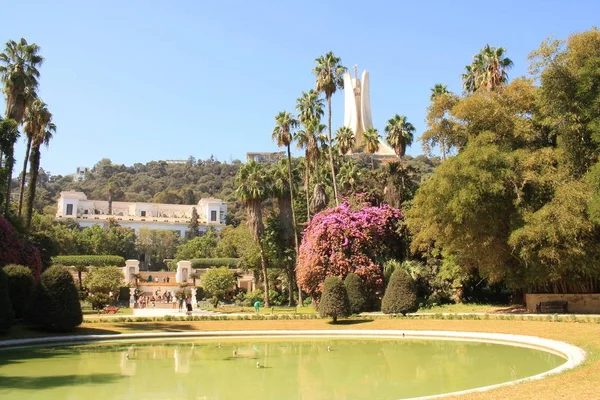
(334,300)
(401,295)
(6,311)
(20,286)
(55,302)
(356,293)
(215,262)
(89,261)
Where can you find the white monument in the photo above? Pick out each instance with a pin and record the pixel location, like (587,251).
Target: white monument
(357,110)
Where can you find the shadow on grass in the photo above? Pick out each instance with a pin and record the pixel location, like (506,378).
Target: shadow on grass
(350,322)
(153,327)
(48,382)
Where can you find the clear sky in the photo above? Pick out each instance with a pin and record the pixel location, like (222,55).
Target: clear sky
(136,81)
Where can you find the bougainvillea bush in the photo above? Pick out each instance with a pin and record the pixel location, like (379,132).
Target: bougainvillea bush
(15,250)
(348,239)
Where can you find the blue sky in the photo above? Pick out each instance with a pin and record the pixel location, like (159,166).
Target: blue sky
(136,81)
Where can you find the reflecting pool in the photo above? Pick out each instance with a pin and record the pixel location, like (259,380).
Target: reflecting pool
(308,369)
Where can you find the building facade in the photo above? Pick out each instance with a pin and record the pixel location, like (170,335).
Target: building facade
(265,158)
(76,206)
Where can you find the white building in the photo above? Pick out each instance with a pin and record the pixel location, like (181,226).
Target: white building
(75,205)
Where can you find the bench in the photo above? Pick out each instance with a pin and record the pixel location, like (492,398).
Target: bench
(552,307)
(111,310)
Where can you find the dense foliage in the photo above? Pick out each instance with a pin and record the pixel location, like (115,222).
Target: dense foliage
(55,302)
(400,295)
(6,309)
(356,293)
(347,239)
(89,261)
(20,286)
(334,301)
(14,249)
(217,282)
(215,262)
(104,280)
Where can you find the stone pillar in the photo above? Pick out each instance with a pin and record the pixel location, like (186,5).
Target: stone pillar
(184,269)
(131,297)
(132,267)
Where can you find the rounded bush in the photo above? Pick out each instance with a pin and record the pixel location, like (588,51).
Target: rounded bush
(20,286)
(99,300)
(356,293)
(400,296)
(6,311)
(55,302)
(334,300)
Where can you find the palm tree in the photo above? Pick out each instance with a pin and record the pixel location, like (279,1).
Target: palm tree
(349,175)
(308,139)
(31,129)
(253,186)
(345,139)
(45,129)
(400,134)
(9,134)
(18,67)
(488,70)
(309,106)
(371,141)
(438,90)
(329,74)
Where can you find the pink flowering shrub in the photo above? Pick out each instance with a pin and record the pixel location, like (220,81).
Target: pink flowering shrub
(14,250)
(347,239)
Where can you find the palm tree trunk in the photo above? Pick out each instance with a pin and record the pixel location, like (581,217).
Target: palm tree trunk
(335,192)
(291,269)
(263,263)
(34,168)
(24,175)
(8,164)
(307,186)
(254,209)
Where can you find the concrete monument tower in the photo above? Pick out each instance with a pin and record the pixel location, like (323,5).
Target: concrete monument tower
(357,109)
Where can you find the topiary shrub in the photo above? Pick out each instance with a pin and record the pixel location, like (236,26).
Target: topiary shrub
(334,300)
(356,294)
(55,302)
(6,311)
(20,286)
(400,296)
(99,300)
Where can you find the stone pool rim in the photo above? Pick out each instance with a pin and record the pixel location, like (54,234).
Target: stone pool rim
(574,356)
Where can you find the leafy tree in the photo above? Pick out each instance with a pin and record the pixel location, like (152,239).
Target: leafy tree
(356,294)
(400,296)
(238,243)
(104,280)
(194,226)
(20,286)
(400,134)
(334,300)
(15,250)
(55,302)
(254,187)
(6,309)
(99,300)
(19,62)
(200,247)
(157,245)
(218,282)
(329,72)
(440,127)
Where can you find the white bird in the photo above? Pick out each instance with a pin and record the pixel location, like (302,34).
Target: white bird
(257,364)
(328,348)
(219,345)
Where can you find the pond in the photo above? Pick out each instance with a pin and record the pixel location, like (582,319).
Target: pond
(255,368)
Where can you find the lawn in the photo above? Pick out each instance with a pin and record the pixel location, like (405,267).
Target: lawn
(263,310)
(464,308)
(580,383)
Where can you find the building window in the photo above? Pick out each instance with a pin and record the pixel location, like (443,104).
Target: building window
(213,216)
(85,211)
(69,209)
(143,213)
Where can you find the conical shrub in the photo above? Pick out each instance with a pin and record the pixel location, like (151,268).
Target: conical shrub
(356,293)
(6,311)
(400,296)
(334,300)
(55,301)
(20,286)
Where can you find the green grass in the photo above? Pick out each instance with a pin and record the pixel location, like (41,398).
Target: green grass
(464,308)
(263,310)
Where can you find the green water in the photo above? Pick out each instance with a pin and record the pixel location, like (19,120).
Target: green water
(290,369)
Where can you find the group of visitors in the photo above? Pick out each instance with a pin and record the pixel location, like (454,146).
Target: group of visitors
(144,300)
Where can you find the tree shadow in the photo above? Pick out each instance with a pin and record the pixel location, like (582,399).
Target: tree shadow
(47,382)
(350,322)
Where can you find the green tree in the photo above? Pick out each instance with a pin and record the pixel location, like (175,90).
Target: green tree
(400,134)
(253,186)
(371,140)
(345,140)
(308,139)
(194,226)
(356,293)
(334,300)
(104,280)
(6,309)
(55,302)
(329,72)
(20,285)
(489,70)
(19,62)
(400,296)
(9,134)
(437,90)
(157,245)
(218,282)
(199,247)
(440,126)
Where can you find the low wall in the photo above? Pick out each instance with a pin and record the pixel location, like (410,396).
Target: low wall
(578,303)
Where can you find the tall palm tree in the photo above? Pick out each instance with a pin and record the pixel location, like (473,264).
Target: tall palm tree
(488,70)
(283,136)
(329,72)
(309,106)
(349,175)
(31,128)
(18,67)
(45,130)
(253,186)
(9,134)
(400,134)
(437,90)
(371,141)
(345,139)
